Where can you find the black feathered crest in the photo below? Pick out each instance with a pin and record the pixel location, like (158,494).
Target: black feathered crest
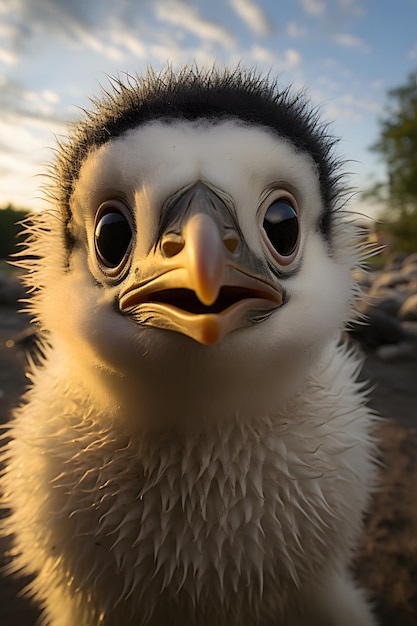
(193,94)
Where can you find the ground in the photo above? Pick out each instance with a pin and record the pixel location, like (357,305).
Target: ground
(387,559)
(387,563)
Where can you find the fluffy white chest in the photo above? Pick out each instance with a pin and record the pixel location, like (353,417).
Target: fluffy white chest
(224,526)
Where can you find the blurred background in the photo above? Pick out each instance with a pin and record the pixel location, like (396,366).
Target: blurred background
(357,61)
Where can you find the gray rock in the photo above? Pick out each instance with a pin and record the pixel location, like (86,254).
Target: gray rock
(379,329)
(393,279)
(396,351)
(411,259)
(11,289)
(395,261)
(408,310)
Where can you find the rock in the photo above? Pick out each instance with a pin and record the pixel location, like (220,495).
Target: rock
(388,299)
(396,260)
(410,270)
(24,339)
(408,310)
(411,259)
(363,278)
(379,329)
(393,279)
(11,289)
(400,350)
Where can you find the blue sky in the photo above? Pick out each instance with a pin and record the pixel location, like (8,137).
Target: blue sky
(54,54)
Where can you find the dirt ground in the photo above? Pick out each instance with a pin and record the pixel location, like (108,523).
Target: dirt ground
(387,559)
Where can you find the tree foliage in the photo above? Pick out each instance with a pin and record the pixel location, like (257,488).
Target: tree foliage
(397,145)
(10,229)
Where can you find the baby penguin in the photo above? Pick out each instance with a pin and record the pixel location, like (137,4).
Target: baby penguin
(194,448)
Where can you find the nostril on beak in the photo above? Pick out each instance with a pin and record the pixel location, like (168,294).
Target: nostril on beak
(231,242)
(172,246)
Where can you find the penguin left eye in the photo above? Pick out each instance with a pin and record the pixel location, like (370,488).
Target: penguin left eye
(281,226)
(112,236)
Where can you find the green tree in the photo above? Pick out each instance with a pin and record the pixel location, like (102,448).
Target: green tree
(397,146)
(10,229)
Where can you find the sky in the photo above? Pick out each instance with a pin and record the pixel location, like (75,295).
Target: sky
(56,54)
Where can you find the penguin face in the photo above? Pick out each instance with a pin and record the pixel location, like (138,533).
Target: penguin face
(199,233)
(191,238)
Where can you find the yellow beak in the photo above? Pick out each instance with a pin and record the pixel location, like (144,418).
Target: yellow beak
(198,285)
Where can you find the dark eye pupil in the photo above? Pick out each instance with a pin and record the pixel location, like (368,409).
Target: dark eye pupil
(281,226)
(112,238)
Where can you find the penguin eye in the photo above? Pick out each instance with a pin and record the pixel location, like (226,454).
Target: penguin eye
(282,229)
(112,236)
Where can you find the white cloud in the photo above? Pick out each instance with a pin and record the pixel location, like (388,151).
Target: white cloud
(22,153)
(50,96)
(20,106)
(71,24)
(413,52)
(350,107)
(314,7)
(367,104)
(8,30)
(267,60)
(123,38)
(262,55)
(186,16)
(96,43)
(252,15)
(8,57)
(377,84)
(354,7)
(295,30)
(292,58)
(349,41)
(165,51)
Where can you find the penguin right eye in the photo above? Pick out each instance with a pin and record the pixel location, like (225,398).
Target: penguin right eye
(281,227)
(112,236)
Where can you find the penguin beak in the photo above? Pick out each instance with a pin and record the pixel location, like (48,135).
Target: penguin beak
(200,280)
